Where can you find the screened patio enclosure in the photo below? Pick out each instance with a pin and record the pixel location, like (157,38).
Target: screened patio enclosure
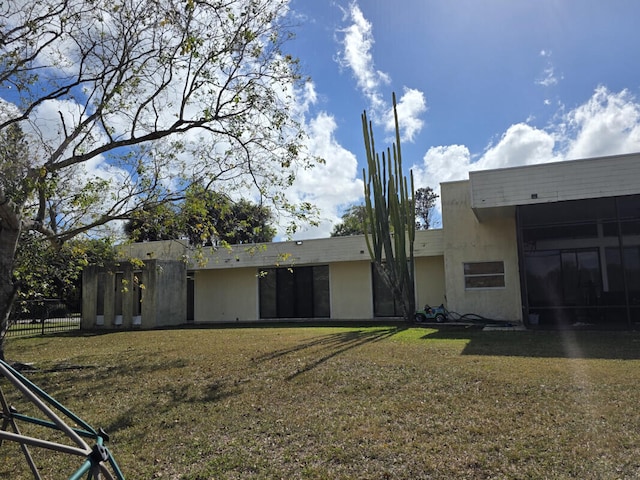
(580,262)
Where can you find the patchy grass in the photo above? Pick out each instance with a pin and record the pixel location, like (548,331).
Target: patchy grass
(342,403)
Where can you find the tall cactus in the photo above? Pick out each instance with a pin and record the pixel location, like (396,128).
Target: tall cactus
(390,225)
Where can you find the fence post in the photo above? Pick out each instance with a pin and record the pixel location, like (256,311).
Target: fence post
(43,316)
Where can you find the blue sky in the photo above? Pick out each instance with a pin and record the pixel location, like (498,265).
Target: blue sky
(482,84)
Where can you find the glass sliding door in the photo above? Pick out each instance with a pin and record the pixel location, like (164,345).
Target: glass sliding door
(581,278)
(544,278)
(297,292)
(564,286)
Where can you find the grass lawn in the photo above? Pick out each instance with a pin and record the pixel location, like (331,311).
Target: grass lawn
(342,403)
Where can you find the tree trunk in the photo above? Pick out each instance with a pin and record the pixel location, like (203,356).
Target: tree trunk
(8,288)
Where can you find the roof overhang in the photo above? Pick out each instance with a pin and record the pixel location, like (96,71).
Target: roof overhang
(496,193)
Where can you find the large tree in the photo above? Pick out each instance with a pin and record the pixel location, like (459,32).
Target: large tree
(154,223)
(425,199)
(204,218)
(352,222)
(112,106)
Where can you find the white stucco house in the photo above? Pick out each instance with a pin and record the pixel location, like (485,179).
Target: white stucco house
(555,244)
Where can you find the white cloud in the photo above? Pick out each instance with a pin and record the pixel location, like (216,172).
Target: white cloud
(606,124)
(48,123)
(521,144)
(8,110)
(309,98)
(330,186)
(410,107)
(442,164)
(356,55)
(549,76)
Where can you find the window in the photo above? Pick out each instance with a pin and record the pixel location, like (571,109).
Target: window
(484,275)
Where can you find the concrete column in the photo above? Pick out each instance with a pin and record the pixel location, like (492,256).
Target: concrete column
(171,293)
(89,298)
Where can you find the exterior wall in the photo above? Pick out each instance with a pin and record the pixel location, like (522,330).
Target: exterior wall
(149,298)
(226,295)
(161,250)
(430,281)
(226,286)
(320,251)
(351,291)
(468,240)
(108,280)
(429,243)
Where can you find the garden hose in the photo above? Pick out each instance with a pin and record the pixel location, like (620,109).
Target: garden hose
(475,318)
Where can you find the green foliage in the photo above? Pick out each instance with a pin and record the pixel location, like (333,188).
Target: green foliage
(390,222)
(211,218)
(352,222)
(44,271)
(157,222)
(204,218)
(246,223)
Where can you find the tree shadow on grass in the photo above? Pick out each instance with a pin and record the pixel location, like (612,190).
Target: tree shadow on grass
(615,345)
(329,346)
